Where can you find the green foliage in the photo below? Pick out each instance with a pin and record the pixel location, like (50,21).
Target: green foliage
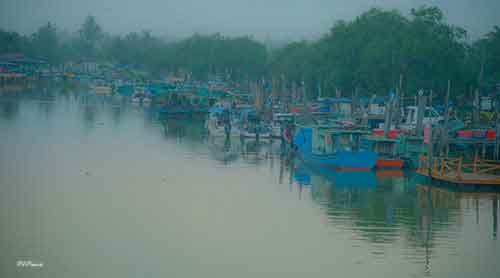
(368,54)
(372,52)
(212,54)
(45,43)
(486,55)
(11,42)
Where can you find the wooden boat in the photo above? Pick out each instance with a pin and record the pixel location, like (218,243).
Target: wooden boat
(410,116)
(279,122)
(387,150)
(334,148)
(256,131)
(251,126)
(101,89)
(221,123)
(146,101)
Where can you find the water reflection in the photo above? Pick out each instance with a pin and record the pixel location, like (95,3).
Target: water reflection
(379,209)
(116,113)
(224,201)
(9,109)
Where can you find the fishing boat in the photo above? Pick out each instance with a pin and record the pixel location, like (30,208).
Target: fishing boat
(279,122)
(221,123)
(101,87)
(146,101)
(136,99)
(387,150)
(410,117)
(251,126)
(334,148)
(255,130)
(141,96)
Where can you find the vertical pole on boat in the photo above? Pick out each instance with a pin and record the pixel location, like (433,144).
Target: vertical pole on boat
(431,95)
(444,133)
(420,113)
(353,101)
(319,89)
(388,116)
(303,91)
(400,91)
(475,113)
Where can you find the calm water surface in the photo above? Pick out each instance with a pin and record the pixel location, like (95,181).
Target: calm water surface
(111,191)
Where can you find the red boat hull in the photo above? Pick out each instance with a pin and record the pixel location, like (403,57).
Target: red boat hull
(390,163)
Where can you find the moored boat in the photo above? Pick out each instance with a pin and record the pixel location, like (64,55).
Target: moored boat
(387,150)
(221,123)
(334,148)
(279,123)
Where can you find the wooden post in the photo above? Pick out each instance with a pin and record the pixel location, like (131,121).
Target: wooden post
(435,167)
(442,166)
(430,150)
(497,123)
(459,168)
(475,161)
(484,152)
(420,113)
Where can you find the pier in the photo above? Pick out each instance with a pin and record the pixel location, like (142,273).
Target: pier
(460,172)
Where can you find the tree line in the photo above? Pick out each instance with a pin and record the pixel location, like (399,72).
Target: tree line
(378,51)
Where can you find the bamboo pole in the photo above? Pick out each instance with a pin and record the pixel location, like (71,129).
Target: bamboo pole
(459,168)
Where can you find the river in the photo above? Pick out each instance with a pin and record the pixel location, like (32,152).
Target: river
(101,190)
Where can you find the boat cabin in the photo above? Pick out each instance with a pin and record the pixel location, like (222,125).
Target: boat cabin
(410,116)
(327,140)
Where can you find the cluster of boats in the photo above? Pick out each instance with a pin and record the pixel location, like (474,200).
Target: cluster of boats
(331,133)
(243,121)
(329,140)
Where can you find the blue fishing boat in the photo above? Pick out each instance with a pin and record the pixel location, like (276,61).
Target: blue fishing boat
(334,148)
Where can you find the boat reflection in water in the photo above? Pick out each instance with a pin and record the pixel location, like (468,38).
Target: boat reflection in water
(122,182)
(381,207)
(250,151)
(340,179)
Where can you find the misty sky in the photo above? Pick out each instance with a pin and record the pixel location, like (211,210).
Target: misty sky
(278,19)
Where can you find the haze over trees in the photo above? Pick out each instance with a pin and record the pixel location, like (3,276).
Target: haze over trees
(374,53)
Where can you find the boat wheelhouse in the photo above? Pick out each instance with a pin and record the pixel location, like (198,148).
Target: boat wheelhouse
(335,148)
